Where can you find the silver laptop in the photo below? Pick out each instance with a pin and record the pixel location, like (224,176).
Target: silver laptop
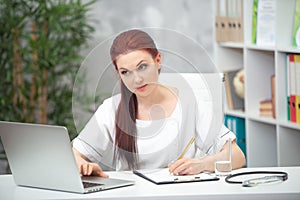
(41,156)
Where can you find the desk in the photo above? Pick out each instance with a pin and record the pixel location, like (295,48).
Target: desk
(144,189)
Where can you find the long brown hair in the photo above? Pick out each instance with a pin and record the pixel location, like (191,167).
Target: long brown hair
(125,120)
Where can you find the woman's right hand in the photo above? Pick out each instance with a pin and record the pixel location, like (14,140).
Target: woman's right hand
(87,168)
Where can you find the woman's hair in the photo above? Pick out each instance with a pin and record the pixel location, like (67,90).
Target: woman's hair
(125,120)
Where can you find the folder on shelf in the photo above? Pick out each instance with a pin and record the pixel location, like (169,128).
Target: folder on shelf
(240,21)
(229,21)
(218,23)
(231,26)
(236,19)
(237,126)
(288,86)
(221,20)
(293,108)
(297,109)
(292,85)
(288,108)
(163,176)
(297,87)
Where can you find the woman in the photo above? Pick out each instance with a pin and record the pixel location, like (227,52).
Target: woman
(148,124)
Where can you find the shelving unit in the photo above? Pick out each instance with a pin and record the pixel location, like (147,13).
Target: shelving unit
(270,142)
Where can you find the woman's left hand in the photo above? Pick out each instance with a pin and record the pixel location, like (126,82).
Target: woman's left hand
(188,166)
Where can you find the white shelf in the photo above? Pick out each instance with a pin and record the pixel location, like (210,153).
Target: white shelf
(261,48)
(231,45)
(267,120)
(291,125)
(269,142)
(235,113)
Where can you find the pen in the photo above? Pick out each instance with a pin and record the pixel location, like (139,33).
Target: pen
(186,148)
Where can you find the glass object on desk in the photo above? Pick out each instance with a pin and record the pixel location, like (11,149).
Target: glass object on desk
(223,166)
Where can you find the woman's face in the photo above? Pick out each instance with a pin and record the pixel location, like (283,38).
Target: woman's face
(139,71)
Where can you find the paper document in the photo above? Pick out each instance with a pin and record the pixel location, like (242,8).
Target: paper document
(163,176)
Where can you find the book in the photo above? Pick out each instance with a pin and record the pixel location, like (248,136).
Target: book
(296,25)
(163,176)
(266,108)
(273,83)
(234,90)
(266,113)
(266,104)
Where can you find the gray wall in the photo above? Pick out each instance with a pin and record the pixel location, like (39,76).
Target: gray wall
(183,29)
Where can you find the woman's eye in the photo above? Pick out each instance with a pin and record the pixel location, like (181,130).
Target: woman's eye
(124,72)
(142,67)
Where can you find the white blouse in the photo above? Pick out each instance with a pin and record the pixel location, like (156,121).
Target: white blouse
(159,142)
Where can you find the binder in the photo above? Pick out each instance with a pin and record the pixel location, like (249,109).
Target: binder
(293,108)
(218,23)
(221,21)
(297,87)
(162,176)
(236,19)
(292,77)
(229,21)
(237,126)
(288,109)
(240,21)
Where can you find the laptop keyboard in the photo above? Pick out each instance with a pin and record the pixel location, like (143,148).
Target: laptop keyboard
(89,184)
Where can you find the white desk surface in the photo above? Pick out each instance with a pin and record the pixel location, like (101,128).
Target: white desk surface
(144,189)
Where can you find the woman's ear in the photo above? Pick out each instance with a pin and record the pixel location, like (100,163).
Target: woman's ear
(158,61)
(158,58)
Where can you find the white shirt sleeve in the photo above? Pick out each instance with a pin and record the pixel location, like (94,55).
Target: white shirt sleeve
(96,140)
(210,141)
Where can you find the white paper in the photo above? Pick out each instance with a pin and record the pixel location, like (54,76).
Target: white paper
(163,175)
(266,14)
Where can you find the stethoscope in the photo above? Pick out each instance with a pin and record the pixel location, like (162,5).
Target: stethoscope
(272,176)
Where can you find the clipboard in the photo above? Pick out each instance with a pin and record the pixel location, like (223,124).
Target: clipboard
(162,176)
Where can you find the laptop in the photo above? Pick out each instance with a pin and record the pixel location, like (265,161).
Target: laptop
(41,156)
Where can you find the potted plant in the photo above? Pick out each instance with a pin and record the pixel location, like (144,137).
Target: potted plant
(40,43)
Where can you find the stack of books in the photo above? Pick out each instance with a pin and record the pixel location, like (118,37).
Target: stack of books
(266,108)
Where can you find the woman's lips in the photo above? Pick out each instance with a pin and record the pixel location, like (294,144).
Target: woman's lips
(141,87)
